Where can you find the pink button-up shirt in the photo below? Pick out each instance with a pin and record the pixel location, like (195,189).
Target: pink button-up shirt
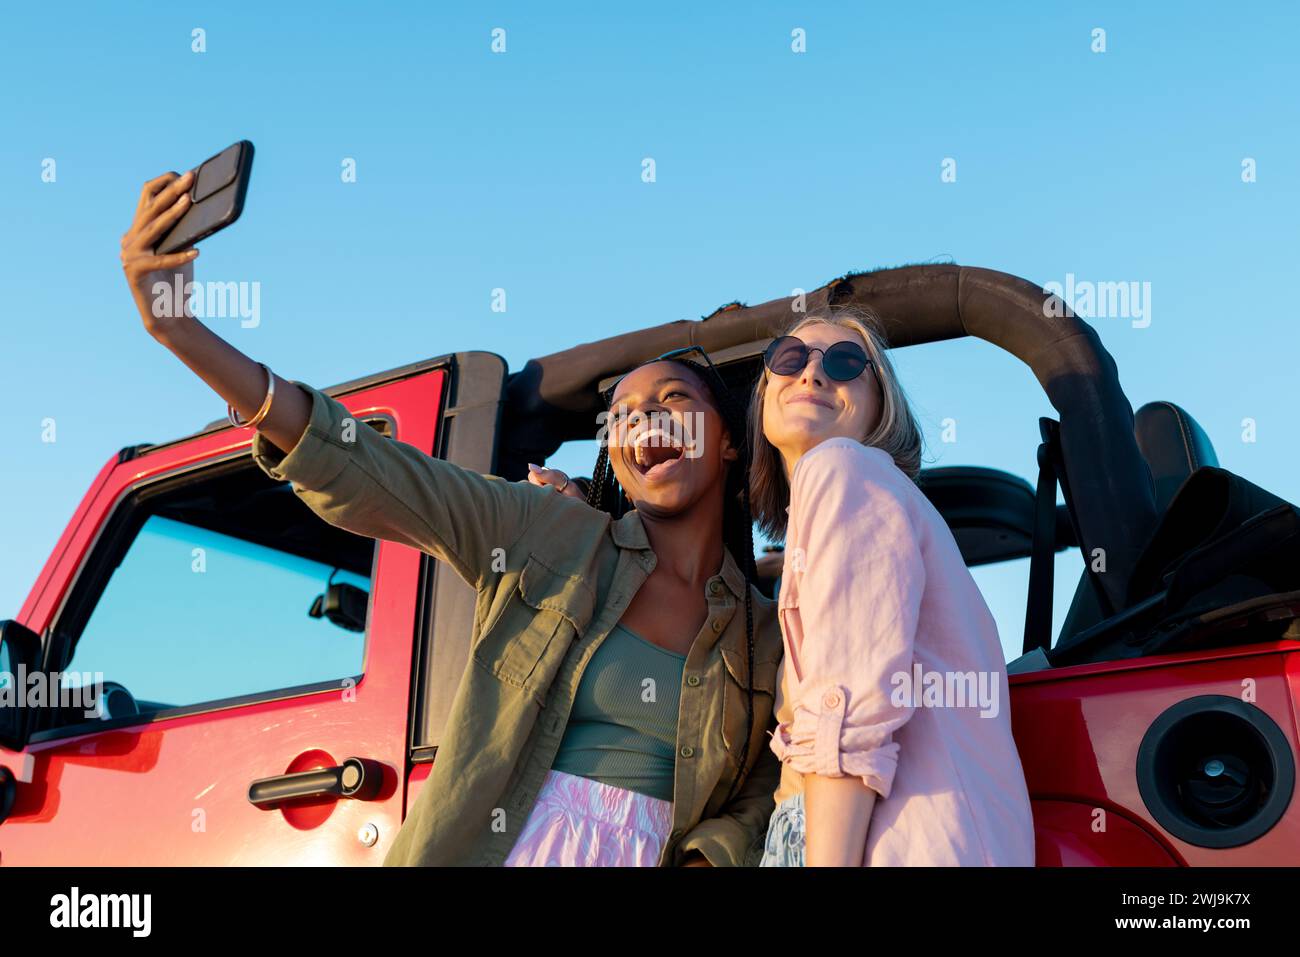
(893,671)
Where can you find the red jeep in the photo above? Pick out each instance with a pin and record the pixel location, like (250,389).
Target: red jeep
(287,712)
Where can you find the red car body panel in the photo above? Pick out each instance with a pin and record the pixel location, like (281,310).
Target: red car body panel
(1078,730)
(175,791)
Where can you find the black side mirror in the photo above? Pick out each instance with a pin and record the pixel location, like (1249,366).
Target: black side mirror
(343,604)
(20,653)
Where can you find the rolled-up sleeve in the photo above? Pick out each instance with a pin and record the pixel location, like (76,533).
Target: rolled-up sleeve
(354,478)
(859,601)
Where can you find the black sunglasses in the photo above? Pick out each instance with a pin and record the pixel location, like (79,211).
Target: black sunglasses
(678,353)
(789,355)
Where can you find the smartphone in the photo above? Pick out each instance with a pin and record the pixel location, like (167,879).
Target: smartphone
(217,198)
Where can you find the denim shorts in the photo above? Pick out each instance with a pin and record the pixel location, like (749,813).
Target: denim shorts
(785,835)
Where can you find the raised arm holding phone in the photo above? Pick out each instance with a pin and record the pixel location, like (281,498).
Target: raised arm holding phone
(585,605)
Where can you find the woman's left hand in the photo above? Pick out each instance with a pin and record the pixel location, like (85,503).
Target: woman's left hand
(556,479)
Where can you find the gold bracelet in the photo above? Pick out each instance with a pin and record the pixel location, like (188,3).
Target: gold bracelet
(252,423)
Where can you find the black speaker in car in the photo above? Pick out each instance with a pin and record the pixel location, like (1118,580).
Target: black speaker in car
(1215,771)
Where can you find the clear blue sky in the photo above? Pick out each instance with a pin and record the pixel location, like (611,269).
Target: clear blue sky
(522,171)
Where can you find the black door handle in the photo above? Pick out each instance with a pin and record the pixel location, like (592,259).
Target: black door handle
(358,778)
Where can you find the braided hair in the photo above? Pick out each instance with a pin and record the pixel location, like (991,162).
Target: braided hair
(737,520)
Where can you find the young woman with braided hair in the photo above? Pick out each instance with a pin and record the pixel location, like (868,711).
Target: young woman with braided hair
(605,493)
(637,469)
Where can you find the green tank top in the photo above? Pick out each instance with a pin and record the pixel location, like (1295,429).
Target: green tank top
(623,726)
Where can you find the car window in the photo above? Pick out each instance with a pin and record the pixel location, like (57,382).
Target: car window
(192,616)
(226,589)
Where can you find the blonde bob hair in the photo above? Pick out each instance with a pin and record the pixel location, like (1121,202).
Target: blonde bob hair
(896,432)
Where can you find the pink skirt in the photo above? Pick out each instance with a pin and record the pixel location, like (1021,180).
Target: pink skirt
(578,822)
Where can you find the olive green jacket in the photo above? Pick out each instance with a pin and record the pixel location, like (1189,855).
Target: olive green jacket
(553,576)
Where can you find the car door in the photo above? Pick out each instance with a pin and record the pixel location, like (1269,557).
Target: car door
(244,718)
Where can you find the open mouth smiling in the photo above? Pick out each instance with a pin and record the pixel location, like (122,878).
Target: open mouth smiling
(656,454)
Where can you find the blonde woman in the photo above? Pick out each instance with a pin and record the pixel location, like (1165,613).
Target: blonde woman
(894,730)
